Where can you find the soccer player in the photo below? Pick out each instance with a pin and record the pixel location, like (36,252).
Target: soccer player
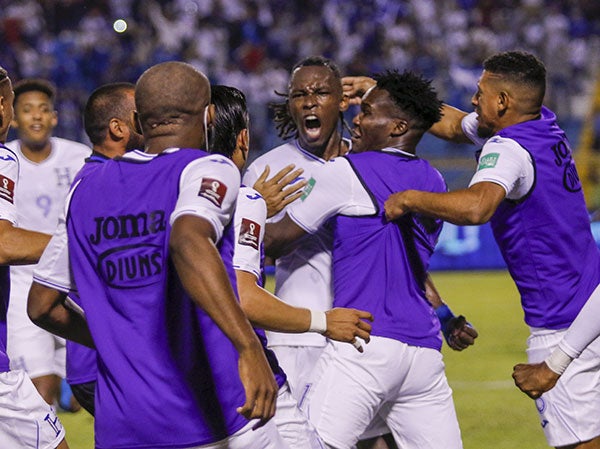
(379,266)
(151,262)
(230,137)
(26,420)
(47,167)
(312,115)
(534,379)
(527,186)
(109,124)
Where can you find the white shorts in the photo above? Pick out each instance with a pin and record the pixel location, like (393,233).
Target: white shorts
(31,348)
(298,363)
(26,420)
(265,437)
(405,385)
(570,412)
(293,425)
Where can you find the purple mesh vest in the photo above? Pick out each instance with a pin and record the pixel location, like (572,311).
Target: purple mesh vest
(167,375)
(380,266)
(81,360)
(545,238)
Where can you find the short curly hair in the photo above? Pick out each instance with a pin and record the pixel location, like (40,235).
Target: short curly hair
(413,94)
(519,67)
(35,85)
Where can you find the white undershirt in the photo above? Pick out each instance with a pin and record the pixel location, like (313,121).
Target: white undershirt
(502,161)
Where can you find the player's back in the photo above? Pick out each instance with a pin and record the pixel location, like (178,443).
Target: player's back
(118,241)
(379,265)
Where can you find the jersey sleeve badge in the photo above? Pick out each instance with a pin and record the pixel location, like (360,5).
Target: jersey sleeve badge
(213,190)
(249,233)
(7,189)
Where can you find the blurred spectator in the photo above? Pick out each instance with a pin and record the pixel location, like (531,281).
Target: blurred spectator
(249,44)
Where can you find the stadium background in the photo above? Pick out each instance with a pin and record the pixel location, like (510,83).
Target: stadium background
(81,44)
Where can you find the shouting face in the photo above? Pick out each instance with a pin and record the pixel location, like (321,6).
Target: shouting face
(315,102)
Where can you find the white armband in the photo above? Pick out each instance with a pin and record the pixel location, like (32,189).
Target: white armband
(558,361)
(318,322)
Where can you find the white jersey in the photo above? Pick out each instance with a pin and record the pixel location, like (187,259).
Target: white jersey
(249,223)
(502,161)
(39,199)
(302,277)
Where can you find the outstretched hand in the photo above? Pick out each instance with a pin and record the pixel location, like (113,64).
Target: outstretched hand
(354,87)
(459,333)
(280,190)
(347,324)
(259,385)
(534,379)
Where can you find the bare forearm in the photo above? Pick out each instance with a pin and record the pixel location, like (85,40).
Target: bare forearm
(266,311)
(471,206)
(203,275)
(450,126)
(46,308)
(457,207)
(20,246)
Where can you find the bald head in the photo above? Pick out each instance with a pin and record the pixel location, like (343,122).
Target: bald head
(169,96)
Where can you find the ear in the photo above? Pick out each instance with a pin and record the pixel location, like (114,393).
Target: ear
(115,128)
(243,142)
(210,115)
(54,121)
(502,102)
(400,127)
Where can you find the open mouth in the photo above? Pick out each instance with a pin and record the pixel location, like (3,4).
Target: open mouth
(312,122)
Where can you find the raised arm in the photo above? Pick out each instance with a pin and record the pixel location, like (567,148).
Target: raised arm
(203,275)
(450,126)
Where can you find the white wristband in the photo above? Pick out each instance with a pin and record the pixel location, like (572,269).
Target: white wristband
(558,361)
(318,322)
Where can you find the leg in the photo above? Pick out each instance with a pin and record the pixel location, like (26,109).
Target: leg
(569,412)
(26,420)
(422,414)
(63,444)
(293,425)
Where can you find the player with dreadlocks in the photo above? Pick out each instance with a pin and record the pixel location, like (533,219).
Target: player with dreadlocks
(313,108)
(380,266)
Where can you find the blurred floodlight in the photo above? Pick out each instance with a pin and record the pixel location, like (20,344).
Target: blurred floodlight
(120,26)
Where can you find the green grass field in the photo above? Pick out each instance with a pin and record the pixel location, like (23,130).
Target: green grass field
(492,412)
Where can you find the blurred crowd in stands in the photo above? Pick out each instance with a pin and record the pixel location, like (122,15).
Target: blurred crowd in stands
(252,44)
